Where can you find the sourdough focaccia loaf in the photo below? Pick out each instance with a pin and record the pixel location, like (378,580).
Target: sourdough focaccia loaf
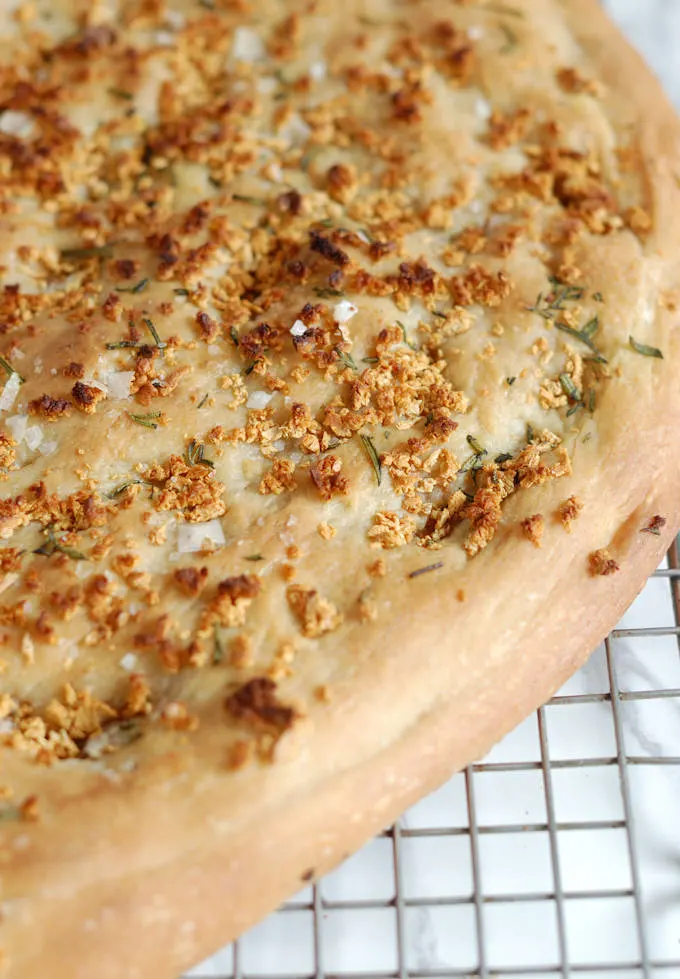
(339,423)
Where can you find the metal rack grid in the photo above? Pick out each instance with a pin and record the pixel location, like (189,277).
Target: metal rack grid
(426,900)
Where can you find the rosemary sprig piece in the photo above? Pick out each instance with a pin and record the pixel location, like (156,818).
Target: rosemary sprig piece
(146,420)
(644,349)
(88,251)
(9,370)
(123,486)
(373,456)
(52,544)
(426,570)
(346,358)
(161,344)
(195,455)
(136,289)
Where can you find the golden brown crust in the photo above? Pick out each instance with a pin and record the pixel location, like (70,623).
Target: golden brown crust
(246,780)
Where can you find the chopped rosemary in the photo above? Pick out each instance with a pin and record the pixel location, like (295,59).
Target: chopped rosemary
(123,486)
(598,297)
(327,293)
(91,251)
(569,387)
(574,408)
(9,370)
(655,526)
(125,733)
(347,359)
(372,454)
(247,199)
(326,223)
(428,567)
(591,400)
(234,335)
(195,455)
(583,336)
(140,287)
(181,292)
(408,342)
(203,400)
(120,93)
(510,381)
(503,457)
(218,653)
(511,38)
(146,420)
(531,435)
(161,344)
(52,544)
(253,557)
(591,327)
(217,184)
(370,360)
(555,300)
(442,316)
(123,345)
(208,4)
(586,438)
(10,814)
(474,461)
(475,445)
(644,349)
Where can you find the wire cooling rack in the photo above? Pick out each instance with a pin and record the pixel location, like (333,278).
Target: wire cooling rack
(558,855)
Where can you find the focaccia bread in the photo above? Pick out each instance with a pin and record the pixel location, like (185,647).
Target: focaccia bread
(339,423)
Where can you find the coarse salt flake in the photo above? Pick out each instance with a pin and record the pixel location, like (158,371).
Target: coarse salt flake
(16,425)
(9,392)
(344,311)
(129,662)
(14,123)
(317,70)
(118,384)
(247,45)
(483,109)
(33,436)
(298,328)
(191,537)
(259,399)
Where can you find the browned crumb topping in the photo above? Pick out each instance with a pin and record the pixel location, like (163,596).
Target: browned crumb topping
(568,511)
(655,525)
(191,580)
(29,809)
(533,528)
(49,408)
(601,562)
(327,476)
(328,288)
(86,397)
(316,615)
(571,80)
(239,755)
(256,703)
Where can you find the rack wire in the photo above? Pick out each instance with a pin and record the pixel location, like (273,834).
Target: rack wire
(558,855)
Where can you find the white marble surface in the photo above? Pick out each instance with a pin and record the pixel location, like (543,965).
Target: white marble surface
(436,869)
